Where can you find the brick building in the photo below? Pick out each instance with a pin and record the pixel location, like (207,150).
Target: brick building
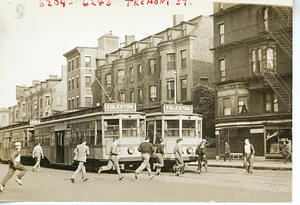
(253,74)
(161,68)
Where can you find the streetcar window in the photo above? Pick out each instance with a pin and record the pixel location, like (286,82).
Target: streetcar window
(99,132)
(142,128)
(158,131)
(129,128)
(188,128)
(150,130)
(111,128)
(171,128)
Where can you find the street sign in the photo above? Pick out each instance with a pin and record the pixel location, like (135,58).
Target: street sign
(177,109)
(119,107)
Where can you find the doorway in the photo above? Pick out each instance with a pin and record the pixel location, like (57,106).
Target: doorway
(59,139)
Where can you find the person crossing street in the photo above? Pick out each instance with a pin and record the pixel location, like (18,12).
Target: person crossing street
(37,154)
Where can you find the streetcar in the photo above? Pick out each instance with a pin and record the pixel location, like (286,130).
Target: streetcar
(18,132)
(175,121)
(59,134)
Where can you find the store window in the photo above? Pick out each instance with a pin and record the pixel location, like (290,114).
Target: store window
(275,138)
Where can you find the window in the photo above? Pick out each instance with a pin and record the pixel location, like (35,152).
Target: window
(189,128)
(259,60)
(140,91)
(73,103)
(88,101)
(152,65)
(77,101)
(221,33)
(183,83)
(129,128)
(275,102)
(72,83)
(170,89)
(271,102)
(47,101)
(69,66)
(73,64)
(270,58)
(253,61)
(121,76)
(140,72)
(268,103)
(131,74)
(87,61)
(77,82)
(183,58)
(41,102)
(183,29)
(222,69)
(171,128)
(121,96)
(169,35)
(132,96)
(58,100)
(77,62)
(153,95)
(108,80)
(243,105)
(204,81)
(171,60)
(69,85)
(69,103)
(35,104)
(266,25)
(227,107)
(88,81)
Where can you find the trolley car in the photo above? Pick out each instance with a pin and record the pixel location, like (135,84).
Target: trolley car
(59,134)
(172,122)
(19,132)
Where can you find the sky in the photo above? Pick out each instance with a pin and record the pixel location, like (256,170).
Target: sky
(34,36)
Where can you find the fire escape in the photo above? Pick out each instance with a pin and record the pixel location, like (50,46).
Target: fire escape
(280,31)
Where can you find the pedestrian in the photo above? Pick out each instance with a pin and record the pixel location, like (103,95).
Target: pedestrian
(113,159)
(146,148)
(288,148)
(160,152)
(81,151)
(201,152)
(37,154)
(14,164)
(248,154)
(227,152)
(179,167)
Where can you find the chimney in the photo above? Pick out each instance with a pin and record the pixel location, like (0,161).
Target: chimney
(129,39)
(177,18)
(52,77)
(107,44)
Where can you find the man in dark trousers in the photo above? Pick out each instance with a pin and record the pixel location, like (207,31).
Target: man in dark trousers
(81,151)
(227,152)
(146,148)
(179,167)
(288,150)
(113,159)
(160,152)
(201,152)
(14,164)
(248,153)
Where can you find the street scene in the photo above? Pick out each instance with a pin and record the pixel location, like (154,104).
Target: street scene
(147,101)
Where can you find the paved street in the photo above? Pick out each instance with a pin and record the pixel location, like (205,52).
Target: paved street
(219,184)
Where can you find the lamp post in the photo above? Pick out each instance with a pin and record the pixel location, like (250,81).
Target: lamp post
(175,85)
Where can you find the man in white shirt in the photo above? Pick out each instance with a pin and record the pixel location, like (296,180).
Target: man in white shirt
(37,154)
(248,154)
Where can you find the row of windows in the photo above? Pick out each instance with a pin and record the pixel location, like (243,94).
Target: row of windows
(71,86)
(75,64)
(72,105)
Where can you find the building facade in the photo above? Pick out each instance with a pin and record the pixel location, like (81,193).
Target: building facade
(4,117)
(81,66)
(253,74)
(161,68)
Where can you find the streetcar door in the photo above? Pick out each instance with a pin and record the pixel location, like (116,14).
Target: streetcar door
(59,139)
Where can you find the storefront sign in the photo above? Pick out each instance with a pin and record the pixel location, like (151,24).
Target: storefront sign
(34,122)
(119,107)
(256,130)
(178,109)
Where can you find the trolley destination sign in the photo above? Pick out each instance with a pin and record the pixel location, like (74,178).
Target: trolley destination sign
(119,107)
(177,109)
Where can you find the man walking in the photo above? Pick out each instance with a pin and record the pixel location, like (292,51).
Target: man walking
(201,152)
(81,151)
(288,149)
(227,152)
(113,160)
(248,154)
(14,164)
(159,157)
(146,148)
(179,167)
(37,154)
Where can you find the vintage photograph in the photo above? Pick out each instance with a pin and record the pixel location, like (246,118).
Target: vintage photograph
(146,101)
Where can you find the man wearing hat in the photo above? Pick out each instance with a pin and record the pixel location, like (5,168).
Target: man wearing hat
(81,151)
(146,148)
(14,164)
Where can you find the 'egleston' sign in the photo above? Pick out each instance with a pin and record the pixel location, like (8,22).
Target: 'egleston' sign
(172,108)
(119,107)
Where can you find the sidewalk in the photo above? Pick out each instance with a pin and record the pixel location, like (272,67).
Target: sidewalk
(259,163)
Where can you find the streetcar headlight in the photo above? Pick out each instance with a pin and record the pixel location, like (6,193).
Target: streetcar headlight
(130,150)
(189,150)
